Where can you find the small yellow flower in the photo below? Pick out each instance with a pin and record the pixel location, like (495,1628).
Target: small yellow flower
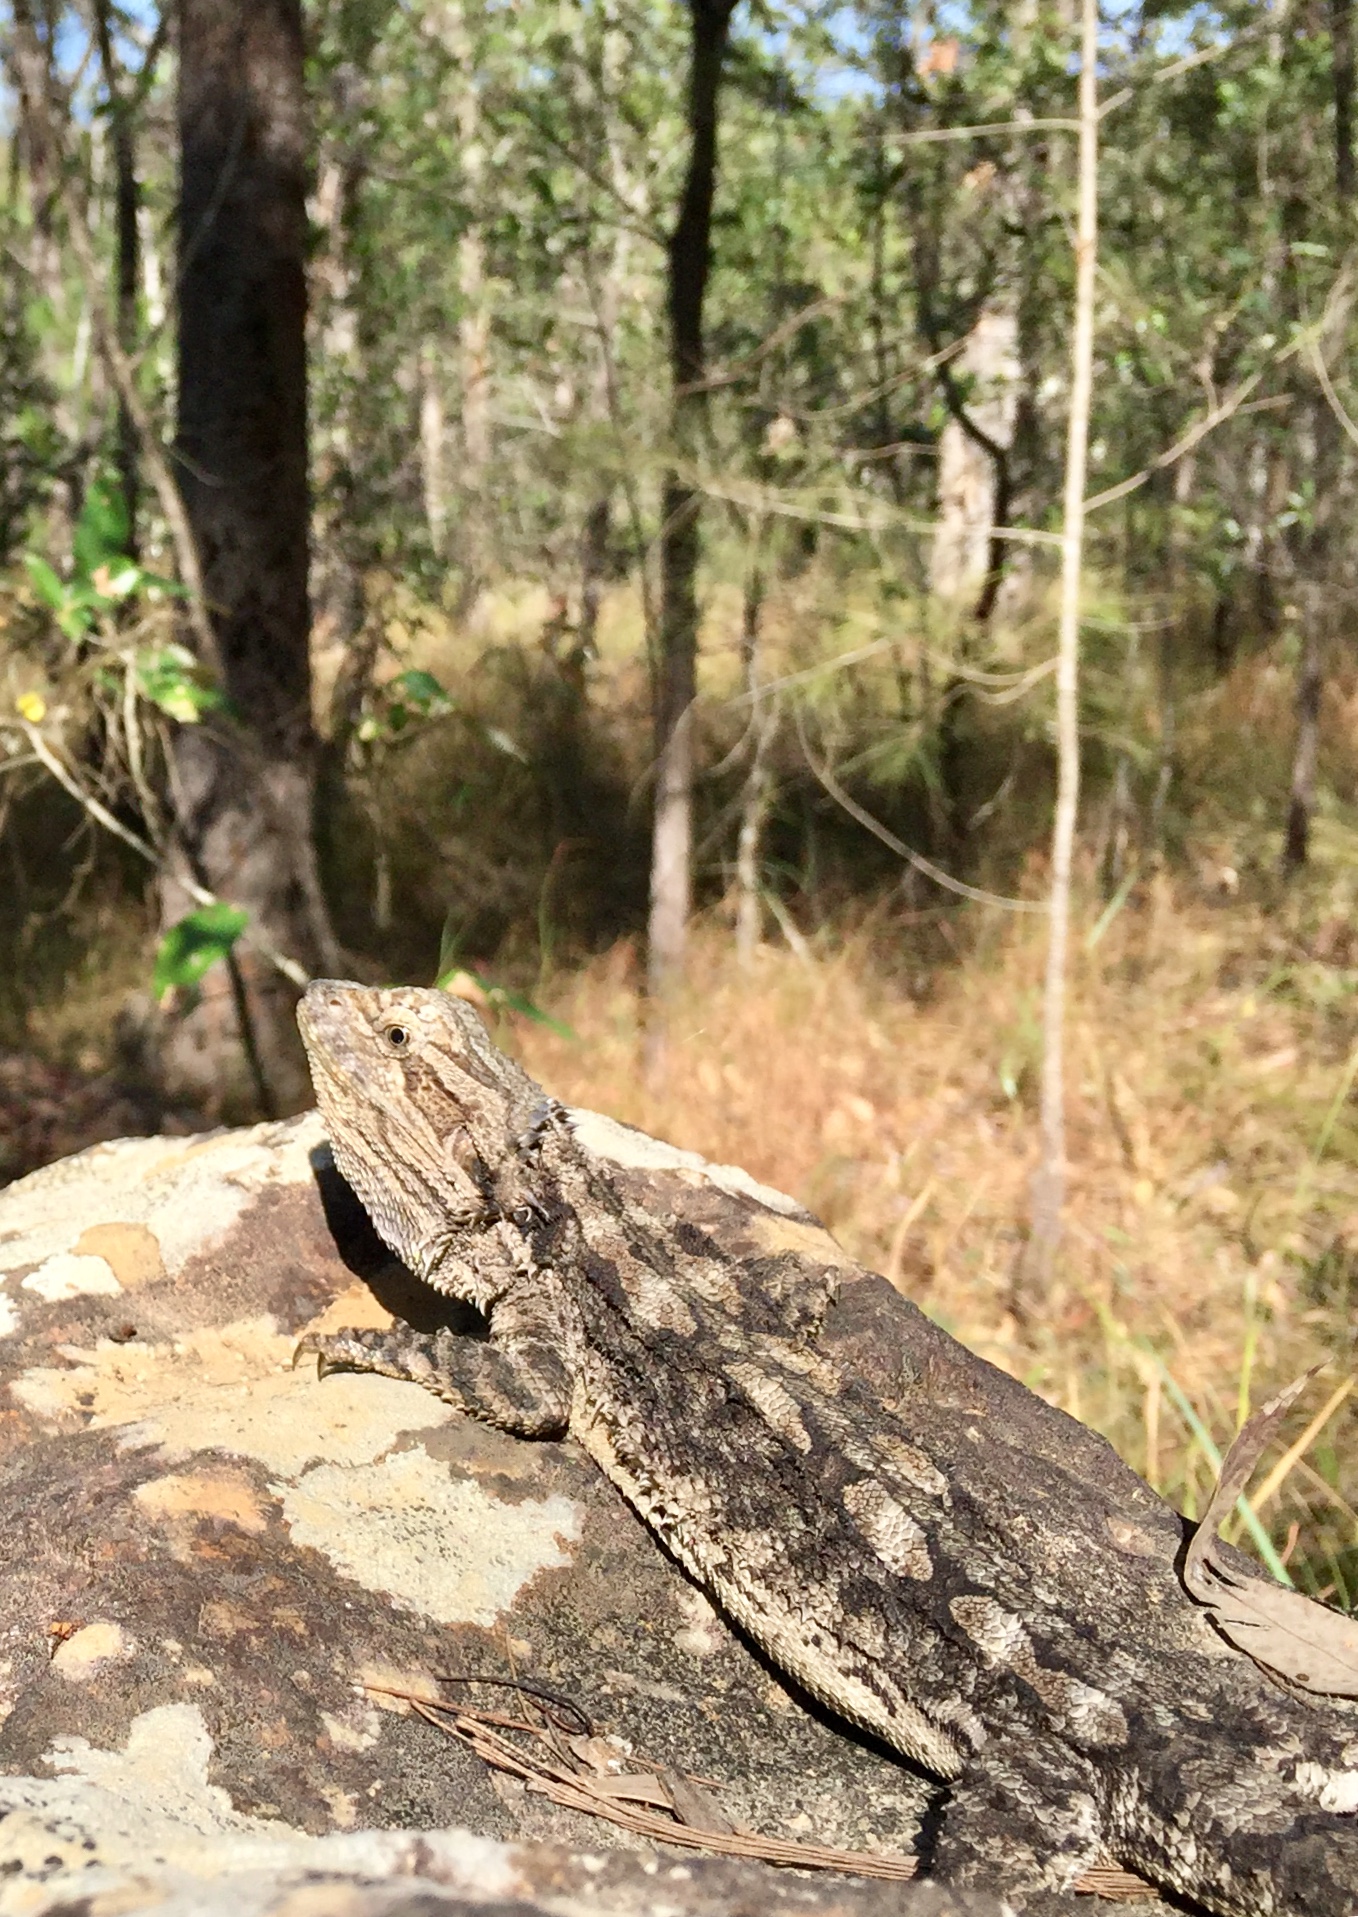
(31,706)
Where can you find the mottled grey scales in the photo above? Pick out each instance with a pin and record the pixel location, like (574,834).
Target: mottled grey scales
(1016,1627)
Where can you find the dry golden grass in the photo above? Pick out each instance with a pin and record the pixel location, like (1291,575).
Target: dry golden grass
(1211,1248)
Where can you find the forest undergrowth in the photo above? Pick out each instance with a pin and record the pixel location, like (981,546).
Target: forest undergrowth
(1211,1248)
(878,1058)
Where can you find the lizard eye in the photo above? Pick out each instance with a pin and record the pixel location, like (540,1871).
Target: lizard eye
(397,1036)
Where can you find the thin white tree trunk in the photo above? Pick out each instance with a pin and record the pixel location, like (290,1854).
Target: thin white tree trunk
(755,799)
(473,330)
(433,465)
(456,26)
(989,363)
(153,272)
(671,860)
(1049,1183)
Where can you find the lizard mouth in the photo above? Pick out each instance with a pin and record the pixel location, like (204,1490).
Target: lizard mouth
(327,1079)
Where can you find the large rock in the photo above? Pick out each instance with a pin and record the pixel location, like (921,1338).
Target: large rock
(208,1556)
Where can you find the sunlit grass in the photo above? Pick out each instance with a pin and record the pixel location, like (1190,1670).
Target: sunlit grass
(888,1078)
(1211,1249)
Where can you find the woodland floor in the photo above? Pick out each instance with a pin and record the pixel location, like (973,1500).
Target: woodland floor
(1211,1249)
(1211,1245)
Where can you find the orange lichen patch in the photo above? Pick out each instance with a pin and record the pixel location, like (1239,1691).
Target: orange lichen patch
(131,1252)
(357,1307)
(80,1655)
(182,1498)
(220,1618)
(391,1686)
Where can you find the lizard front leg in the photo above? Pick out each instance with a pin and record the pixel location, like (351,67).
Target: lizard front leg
(517,1381)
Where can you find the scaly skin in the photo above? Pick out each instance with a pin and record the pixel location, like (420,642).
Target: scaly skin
(1012,1622)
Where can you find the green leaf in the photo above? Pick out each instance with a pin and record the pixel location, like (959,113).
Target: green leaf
(49,587)
(189,948)
(101,532)
(73,606)
(155,585)
(423,691)
(168,679)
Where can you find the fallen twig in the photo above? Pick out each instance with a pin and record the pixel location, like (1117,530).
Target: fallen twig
(619,1801)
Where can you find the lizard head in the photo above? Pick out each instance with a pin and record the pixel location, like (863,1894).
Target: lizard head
(421,1112)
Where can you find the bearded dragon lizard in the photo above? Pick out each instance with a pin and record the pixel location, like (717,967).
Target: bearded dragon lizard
(1018,1631)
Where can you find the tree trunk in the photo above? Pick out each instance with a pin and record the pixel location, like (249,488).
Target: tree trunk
(1321,560)
(455,22)
(690,260)
(1049,1181)
(36,85)
(473,332)
(1173,617)
(594,541)
(1310,684)
(42,108)
(969,476)
(342,652)
(433,463)
(127,202)
(243,792)
(754,806)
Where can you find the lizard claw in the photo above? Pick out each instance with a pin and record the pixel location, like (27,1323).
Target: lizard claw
(546,1113)
(340,1352)
(310,1346)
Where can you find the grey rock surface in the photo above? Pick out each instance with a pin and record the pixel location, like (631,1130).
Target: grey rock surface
(207,1556)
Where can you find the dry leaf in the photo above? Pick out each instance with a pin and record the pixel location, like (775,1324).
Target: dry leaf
(1291,1635)
(639,1787)
(696,1807)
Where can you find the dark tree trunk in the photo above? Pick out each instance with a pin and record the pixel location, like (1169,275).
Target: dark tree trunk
(127,197)
(594,543)
(1321,557)
(244,792)
(1310,684)
(43,108)
(690,260)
